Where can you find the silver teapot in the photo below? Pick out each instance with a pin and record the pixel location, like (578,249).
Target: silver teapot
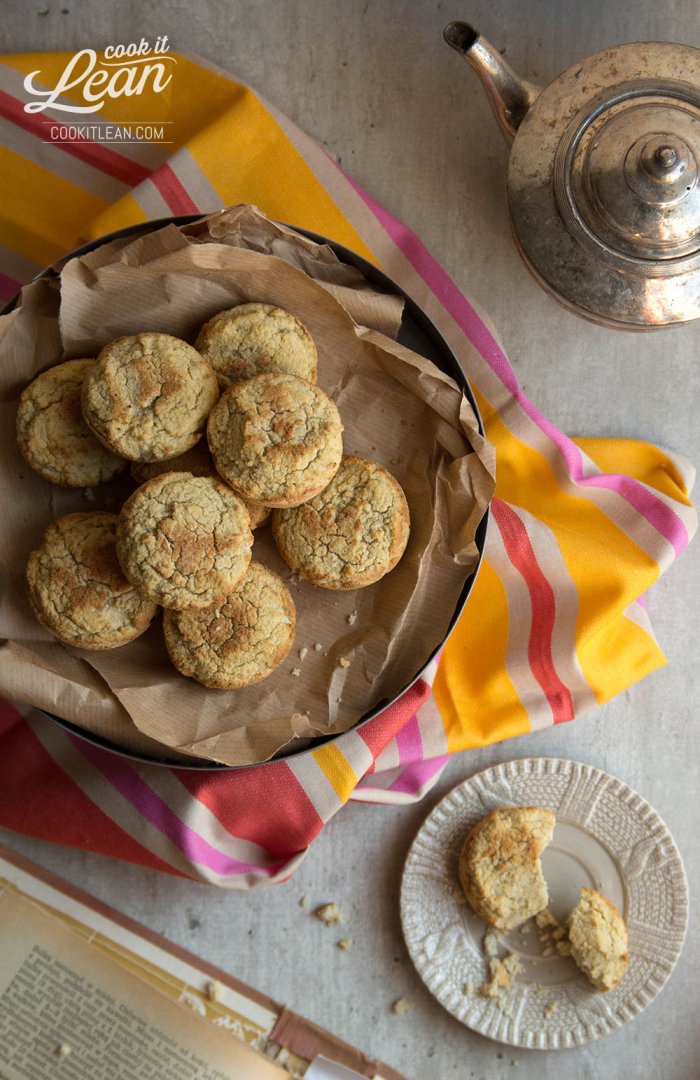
(603,185)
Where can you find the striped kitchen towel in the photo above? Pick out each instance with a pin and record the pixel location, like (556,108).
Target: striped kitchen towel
(580,528)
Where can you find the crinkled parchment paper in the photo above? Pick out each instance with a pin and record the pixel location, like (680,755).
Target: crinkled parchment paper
(397,408)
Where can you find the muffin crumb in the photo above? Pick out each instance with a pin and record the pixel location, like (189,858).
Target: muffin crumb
(329,914)
(215,990)
(490,943)
(545,919)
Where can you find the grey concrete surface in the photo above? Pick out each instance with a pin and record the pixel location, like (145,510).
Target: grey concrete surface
(374,81)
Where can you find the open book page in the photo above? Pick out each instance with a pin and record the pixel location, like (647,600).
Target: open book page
(247,1019)
(67,1009)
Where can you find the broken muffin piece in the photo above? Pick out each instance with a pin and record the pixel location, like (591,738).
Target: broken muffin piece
(598,940)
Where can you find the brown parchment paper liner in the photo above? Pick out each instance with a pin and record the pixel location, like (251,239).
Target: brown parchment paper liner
(397,408)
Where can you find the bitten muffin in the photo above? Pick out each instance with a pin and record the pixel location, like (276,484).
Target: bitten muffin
(276,439)
(197,461)
(238,642)
(52,433)
(77,588)
(499,865)
(598,939)
(352,533)
(148,396)
(250,339)
(184,541)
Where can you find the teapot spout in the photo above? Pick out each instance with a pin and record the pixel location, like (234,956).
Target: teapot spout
(510,96)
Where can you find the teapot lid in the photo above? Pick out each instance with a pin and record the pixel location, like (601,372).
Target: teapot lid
(604,190)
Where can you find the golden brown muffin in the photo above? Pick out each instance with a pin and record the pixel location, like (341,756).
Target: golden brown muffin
(148,396)
(598,940)
(352,533)
(276,439)
(77,588)
(238,642)
(184,541)
(199,462)
(250,339)
(53,435)
(499,865)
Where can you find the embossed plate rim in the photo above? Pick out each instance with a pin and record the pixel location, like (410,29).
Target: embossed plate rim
(463,806)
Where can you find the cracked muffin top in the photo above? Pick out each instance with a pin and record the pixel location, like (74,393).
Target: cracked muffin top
(183,540)
(148,396)
(77,588)
(276,439)
(199,462)
(352,533)
(52,433)
(251,339)
(238,642)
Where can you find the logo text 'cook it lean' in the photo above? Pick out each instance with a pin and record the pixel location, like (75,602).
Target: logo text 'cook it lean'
(123,71)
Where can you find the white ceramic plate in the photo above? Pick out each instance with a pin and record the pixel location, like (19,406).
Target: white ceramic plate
(606,837)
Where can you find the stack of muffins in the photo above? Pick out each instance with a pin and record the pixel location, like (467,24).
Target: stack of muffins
(183,540)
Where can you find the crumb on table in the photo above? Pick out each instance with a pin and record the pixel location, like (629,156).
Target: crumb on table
(329,914)
(402,1006)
